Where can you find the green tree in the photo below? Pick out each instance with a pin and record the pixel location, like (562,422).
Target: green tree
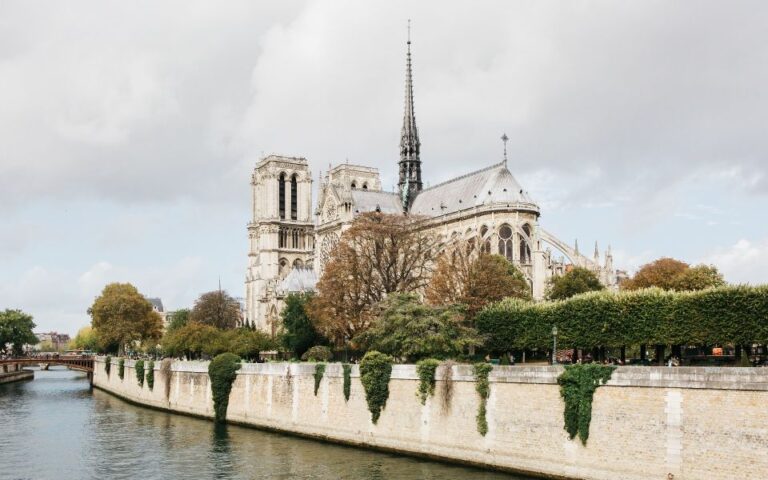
(579,280)
(299,334)
(698,278)
(16,331)
(121,316)
(217,309)
(85,339)
(408,329)
(179,318)
(192,340)
(247,343)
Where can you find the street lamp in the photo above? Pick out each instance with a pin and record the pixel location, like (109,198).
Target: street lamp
(554,345)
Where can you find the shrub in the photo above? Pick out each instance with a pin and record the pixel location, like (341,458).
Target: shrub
(139,367)
(483,388)
(151,374)
(347,368)
(319,372)
(107,365)
(375,370)
(426,370)
(318,353)
(577,387)
(222,372)
(121,368)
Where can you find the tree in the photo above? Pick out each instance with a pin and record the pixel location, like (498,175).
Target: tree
(378,255)
(216,309)
(474,279)
(121,315)
(698,278)
(179,318)
(16,331)
(192,340)
(85,339)
(247,343)
(299,332)
(578,280)
(407,329)
(671,274)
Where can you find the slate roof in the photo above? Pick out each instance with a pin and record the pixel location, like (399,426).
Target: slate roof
(368,200)
(491,185)
(299,280)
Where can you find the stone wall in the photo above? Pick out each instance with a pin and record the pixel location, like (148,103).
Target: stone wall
(647,422)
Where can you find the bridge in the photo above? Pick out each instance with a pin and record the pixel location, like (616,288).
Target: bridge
(74,362)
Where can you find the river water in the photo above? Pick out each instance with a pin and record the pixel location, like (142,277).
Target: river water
(57,427)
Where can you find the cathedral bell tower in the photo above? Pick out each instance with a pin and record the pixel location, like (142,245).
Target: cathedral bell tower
(409,184)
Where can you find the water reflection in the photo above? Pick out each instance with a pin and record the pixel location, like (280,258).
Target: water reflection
(56,427)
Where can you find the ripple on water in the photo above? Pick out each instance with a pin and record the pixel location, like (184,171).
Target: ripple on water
(56,427)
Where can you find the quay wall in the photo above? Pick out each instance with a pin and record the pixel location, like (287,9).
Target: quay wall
(16,375)
(647,422)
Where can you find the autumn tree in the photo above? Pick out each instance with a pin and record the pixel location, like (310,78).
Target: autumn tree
(671,274)
(85,339)
(406,328)
(472,278)
(217,309)
(379,254)
(121,316)
(576,281)
(16,331)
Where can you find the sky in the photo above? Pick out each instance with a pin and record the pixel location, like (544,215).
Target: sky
(129,130)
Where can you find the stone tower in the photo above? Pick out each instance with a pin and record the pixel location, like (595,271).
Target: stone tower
(409,184)
(280,234)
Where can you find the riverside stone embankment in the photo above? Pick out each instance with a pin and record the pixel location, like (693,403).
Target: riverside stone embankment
(647,422)
(13,372)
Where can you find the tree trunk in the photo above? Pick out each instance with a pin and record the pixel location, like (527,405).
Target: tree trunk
(623,354)
(643,352)
(660,354)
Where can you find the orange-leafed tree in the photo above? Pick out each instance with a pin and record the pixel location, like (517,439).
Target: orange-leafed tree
(378,255)
(464,275)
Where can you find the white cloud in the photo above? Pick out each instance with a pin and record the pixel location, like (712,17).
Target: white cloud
(744,262)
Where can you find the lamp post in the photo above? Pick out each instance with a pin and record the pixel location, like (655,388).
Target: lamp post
(554,345)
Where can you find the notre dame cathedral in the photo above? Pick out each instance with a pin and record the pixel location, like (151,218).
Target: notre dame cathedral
(289,240)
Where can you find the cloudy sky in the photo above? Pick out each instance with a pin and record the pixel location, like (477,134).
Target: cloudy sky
(128,130)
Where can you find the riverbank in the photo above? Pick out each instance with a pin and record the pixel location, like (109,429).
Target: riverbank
(16,376)
(647,422)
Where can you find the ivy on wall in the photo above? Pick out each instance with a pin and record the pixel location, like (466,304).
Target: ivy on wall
(139,367)
(375,370)
(165,367)
(151,374)
(483,388)
(222,372)
(426,369)
(347,369)
(107,365)
(319,372)
(121,368)
(578,384)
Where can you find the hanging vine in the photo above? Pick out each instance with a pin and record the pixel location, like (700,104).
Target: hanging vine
(222,371)
(319,372)
(121,368)
(483,388)
(447,390)
(151,374)
(375,370)
(139,367)
(578,384)
(165,367)
(107,365)
(347,369)
(426,369)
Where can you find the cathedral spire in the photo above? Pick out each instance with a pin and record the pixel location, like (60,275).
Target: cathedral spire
(410,164)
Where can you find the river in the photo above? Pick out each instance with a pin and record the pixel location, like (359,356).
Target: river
(57,427)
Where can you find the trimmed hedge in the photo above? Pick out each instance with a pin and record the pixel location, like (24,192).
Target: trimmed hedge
(727,315)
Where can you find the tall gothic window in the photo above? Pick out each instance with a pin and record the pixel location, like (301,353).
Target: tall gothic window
(525,248)
(505,242)
(281,195)
(294,199)
(486,242)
